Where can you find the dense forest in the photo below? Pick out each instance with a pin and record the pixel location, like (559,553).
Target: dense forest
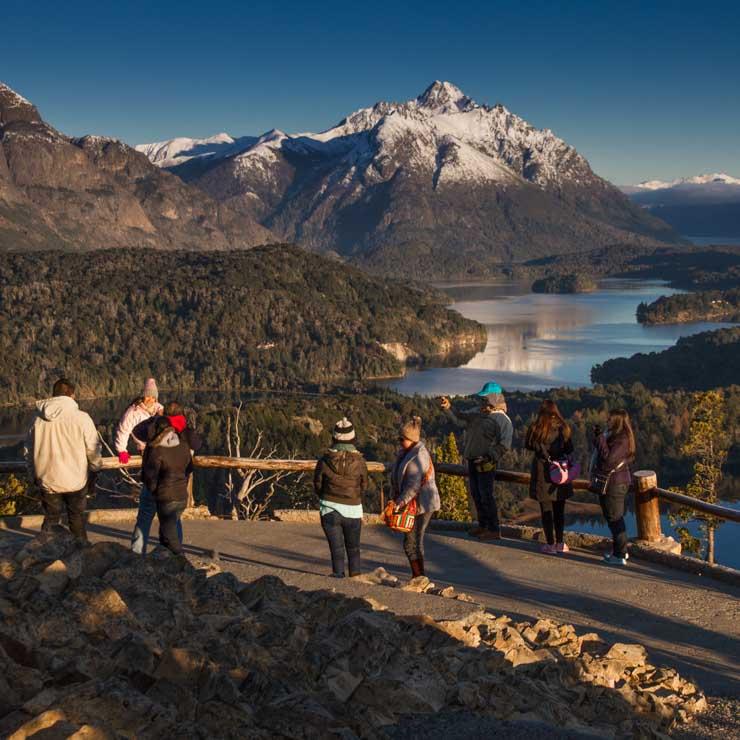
(699,362)
(688,267)
(570,283)
(271,317)
(707,305)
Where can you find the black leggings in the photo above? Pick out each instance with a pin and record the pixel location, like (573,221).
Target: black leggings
(553,521)
(612,504)
(169,513)
(413,541)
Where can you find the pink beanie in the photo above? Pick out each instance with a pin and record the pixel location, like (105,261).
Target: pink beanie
(150,389)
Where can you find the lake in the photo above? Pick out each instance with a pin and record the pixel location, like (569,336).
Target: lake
(538,341)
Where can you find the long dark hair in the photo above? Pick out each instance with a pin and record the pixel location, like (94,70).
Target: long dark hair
(548,418)
(619,423)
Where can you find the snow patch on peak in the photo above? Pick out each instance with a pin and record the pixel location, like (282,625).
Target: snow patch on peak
(12,98)
(444,97)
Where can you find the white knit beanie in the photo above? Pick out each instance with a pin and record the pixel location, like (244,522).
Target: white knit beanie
(344,431)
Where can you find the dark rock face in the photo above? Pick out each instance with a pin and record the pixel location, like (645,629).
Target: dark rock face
(97,641)
(96,192)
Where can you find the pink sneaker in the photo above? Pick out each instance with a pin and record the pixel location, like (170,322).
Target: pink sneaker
(549,549)
(562,547)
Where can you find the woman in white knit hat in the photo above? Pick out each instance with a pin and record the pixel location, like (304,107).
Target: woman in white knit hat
(340,480)
(142,408)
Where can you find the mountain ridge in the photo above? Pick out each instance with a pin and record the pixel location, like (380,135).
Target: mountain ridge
(93,191)
(439,177)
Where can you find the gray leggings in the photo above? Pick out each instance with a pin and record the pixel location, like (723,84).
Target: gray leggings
(413,541)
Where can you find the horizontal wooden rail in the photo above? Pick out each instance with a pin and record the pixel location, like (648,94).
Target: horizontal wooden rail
(303,466)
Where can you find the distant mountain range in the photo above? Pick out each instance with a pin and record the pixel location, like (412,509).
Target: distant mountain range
(704,205)
(90,192)
(437,186)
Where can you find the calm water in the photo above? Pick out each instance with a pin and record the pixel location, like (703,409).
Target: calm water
(726,546)
(543,341)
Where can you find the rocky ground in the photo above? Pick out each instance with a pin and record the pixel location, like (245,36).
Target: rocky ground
(96,642)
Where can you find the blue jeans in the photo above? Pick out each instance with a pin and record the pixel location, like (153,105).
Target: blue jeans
(342,534)
(144,519)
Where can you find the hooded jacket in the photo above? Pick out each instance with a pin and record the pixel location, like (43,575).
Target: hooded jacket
(341,477)
(62,445)
(167,464)
(132,416)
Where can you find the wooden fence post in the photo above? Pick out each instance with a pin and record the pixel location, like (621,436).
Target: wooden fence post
(647,506)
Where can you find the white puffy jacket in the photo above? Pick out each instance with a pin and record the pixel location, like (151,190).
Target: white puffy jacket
(62,445)
(132,416)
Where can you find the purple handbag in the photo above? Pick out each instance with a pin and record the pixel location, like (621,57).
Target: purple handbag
(562,471)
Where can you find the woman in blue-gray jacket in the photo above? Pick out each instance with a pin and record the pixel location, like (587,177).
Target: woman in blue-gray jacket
(412,477)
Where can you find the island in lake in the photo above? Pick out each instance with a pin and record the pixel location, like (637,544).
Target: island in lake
(571,283)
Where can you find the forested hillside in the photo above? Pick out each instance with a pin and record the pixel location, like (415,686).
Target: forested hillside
(272,317)
(707,305)
(699,362)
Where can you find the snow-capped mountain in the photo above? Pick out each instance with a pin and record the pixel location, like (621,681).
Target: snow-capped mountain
(704,205)
(439,178)
(717,178)
(89,192)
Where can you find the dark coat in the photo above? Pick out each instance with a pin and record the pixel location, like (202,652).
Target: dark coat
(555,447)
(610,451)
(167,463)
(341,477)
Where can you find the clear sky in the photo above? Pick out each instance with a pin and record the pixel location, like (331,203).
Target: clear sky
(643,89)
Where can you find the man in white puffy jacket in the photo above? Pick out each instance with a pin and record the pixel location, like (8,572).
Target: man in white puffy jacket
(62,447)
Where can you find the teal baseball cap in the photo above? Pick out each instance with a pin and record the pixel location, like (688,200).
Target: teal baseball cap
(489,389)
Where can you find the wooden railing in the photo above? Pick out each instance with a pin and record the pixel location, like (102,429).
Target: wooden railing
(647,493)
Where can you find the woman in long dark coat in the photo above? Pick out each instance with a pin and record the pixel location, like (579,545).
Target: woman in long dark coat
(549,437)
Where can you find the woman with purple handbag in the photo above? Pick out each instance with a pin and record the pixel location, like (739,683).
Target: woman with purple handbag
(553,470)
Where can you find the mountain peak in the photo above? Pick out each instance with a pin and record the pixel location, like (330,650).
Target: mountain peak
(445,97)
(14,107)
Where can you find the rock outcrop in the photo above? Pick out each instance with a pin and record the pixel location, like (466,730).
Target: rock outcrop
(93,192)
(96,642)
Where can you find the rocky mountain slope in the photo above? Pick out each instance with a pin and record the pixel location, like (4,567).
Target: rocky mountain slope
(56,191)
(440,182)
(705,205)
(97,642)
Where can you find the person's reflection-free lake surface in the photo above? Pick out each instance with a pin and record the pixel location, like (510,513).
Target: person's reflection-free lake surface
(538,341)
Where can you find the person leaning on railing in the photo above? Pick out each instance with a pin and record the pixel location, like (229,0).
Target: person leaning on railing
(488,435)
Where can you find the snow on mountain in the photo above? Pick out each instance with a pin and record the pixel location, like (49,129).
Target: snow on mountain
(448,134)
(438,169)
(720,178)
(174,152)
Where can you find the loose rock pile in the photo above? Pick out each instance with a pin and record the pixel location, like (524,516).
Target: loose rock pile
(96,642)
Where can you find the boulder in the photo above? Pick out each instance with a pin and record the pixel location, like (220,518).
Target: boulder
(54,578)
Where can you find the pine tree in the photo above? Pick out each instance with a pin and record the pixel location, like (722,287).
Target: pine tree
(708,443)
(453,490)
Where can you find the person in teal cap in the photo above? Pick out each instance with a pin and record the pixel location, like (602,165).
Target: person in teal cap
(488,436)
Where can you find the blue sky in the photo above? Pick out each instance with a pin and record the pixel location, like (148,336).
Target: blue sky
(642,89)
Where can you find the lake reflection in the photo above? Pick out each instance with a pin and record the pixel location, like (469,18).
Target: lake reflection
(541,341)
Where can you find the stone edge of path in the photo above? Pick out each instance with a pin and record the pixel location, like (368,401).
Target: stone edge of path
(638,550)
